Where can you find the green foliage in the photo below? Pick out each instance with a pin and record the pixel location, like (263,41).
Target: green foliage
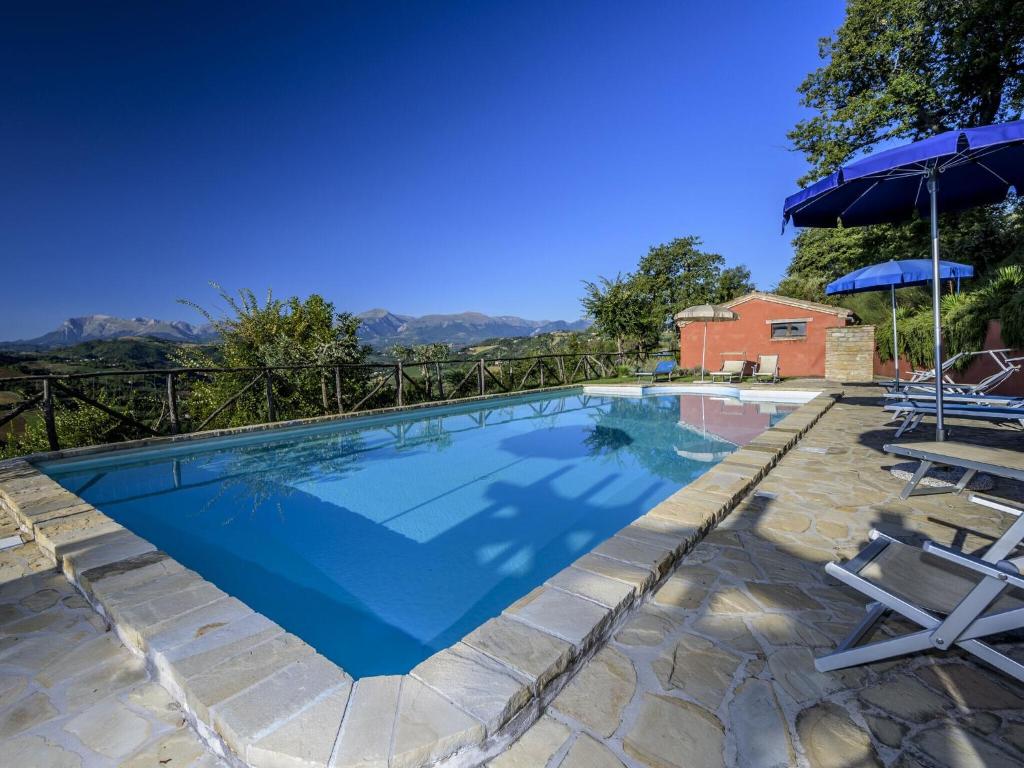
(637,308)
(676,275)
(982,237)
(276,333)
(965,319)
(77,424)
(423,353)
(621,311)
(907,69)
(732,283)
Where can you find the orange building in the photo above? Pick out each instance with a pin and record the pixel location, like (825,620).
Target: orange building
(767,325)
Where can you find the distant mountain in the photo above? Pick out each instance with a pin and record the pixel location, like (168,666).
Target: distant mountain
(75,330)
(379,328)
(382,328)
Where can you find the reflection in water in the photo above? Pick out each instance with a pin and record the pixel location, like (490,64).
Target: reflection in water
(602,440)
(381,541)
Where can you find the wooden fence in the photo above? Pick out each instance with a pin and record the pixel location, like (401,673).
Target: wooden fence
(344,388)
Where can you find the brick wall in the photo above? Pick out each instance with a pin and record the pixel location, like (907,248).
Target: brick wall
(850,353)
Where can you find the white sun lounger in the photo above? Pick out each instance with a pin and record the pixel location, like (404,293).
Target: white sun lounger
(767,368)
(732,370)
(913,413)
(957,599)
(1000,462)
(924,381)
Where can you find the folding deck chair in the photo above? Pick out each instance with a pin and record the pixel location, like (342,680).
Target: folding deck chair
(732,370)
(913,412)
(767,368)
(957,599)
(924,381)
(923,376)
(1001,462)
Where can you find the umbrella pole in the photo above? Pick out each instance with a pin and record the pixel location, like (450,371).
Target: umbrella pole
(703,351)
(933,192)
(895,338)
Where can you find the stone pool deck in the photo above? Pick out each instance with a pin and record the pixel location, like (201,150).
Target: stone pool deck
(71,695)
(717,669)
(714,670)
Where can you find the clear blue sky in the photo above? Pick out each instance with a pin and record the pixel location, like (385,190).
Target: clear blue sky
(421,156)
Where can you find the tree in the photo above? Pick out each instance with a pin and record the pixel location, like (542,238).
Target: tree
(421,353)
(670,277)
(901,70)
(677,275)
(293,332)
(907,69)
(733,282)
(620,312)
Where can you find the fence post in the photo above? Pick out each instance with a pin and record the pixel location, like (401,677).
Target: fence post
(480,375)
(172,404)
(270,394)
(337,388)
(398,384)
(51,425)
(541,366)
(440,381)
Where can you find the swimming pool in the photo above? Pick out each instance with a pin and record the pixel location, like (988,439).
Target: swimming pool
(381,540)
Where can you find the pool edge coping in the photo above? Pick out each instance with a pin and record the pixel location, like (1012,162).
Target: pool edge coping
(458,707)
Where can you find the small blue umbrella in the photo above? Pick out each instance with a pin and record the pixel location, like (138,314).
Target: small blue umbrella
(949,172)
(893,275)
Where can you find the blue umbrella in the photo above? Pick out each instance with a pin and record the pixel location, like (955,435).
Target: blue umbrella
(949,172)
(893,275)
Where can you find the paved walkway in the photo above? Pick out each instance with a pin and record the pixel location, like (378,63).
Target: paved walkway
(717,669)
(71,694)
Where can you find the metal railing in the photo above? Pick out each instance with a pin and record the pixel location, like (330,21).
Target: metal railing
(156,402)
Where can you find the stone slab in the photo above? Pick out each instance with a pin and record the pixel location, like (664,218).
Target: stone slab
(569,617)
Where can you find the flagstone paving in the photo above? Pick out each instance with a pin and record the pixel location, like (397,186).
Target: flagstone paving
(717,668)
(71,695)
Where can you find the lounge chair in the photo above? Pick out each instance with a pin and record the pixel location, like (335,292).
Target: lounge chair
(913,412)
(732,370)
(924,376)
(664,368)
(767,368)
(973,458)
(924,381)
(957,599)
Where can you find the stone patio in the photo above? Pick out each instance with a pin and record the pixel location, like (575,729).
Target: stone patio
(71,695)
(717,669)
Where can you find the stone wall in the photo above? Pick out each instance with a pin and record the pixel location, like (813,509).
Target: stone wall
(850,353)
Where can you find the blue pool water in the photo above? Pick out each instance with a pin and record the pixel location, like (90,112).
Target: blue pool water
(380,541)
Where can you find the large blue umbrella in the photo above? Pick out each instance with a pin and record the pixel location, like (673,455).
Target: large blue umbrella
(893,275)
(949,172)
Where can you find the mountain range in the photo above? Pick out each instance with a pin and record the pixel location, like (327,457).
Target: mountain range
(75,330)
(380,328)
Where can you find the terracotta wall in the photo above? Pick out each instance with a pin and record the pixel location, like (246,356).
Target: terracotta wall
(750,336)
(982,366)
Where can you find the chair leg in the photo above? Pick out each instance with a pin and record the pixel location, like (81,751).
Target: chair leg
(883,649)
(872,615)
(1000,661)
(968,475)
(922,470)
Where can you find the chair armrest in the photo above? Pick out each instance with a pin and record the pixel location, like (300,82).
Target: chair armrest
(1000,505)
(1007,573)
